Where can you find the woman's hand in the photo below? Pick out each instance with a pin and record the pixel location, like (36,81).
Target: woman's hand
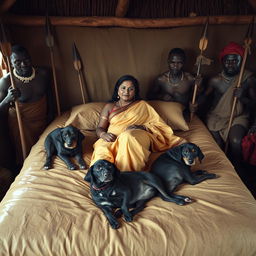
(107,136)
(134,126)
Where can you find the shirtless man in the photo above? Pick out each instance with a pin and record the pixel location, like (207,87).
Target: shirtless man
(174,84)
(222,90)
(32,93)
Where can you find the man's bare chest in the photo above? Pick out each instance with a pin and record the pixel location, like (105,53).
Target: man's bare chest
(31,91)
(182,87)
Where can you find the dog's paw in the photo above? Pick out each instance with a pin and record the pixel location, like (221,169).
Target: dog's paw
(188,200)
(128,217)
(82,166)
(212,176)
(184,200)
(47,167)
(72,167)
(200,172)
(114,224)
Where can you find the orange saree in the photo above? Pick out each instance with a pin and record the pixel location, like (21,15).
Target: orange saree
(131,150)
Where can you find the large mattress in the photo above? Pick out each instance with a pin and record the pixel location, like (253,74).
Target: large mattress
(51,212)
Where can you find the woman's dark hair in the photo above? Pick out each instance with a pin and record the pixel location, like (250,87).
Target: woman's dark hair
(120,81)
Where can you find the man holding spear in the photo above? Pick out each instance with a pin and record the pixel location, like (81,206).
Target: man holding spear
(175,84)
(223,88)
(34,99)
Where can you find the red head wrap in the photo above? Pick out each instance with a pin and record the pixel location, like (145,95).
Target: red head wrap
(232,48)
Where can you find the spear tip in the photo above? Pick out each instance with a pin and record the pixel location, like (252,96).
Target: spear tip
(76,58)
(76,54)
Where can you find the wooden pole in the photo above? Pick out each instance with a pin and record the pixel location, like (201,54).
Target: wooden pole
(50,45)
(78,67)
(202,46)
(97,21)
(122,8)
(6,50)
(247,43)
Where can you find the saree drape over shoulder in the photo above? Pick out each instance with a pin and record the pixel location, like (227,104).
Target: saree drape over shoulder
(218,118)
(34,120)
(131,149)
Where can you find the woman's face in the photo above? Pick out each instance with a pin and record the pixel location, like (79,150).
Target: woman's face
(126,91)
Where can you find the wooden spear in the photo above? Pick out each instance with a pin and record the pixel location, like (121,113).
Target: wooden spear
(247,43)
(202,46)
(6,50)
(50,45)
(78,67)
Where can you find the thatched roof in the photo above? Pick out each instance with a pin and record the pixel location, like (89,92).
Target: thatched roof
(133,8)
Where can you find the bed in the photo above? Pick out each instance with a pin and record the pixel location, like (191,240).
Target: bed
(52,213)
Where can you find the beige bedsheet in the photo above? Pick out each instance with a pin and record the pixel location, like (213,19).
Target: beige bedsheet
(51,212)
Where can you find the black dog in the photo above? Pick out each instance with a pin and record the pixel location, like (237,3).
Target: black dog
(111,189)
(173,167)
(65,143)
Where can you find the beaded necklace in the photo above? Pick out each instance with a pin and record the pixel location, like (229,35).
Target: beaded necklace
(175,83)
(23,78)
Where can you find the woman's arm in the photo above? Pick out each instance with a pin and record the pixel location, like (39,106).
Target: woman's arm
(103,125)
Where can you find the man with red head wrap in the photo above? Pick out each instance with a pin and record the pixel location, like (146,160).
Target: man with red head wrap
(222,89)
(232,48)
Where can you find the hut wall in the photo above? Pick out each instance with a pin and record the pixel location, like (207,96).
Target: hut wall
(108,53)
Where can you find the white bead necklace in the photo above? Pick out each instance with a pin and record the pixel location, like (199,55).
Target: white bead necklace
(23,78)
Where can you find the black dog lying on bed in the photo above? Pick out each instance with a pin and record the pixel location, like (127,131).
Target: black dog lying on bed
(173,166)
(112,189)
(65,143)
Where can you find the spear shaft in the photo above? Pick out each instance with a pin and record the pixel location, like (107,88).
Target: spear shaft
(202,46)
(50,44)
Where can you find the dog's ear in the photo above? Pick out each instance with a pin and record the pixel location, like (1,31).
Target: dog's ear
(175,153)
(200,154)
(88,177)
(80,136)
(59,136)
(116,172)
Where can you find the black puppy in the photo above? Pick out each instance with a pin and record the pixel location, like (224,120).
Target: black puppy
(111,189)
(173,167)
(65,143)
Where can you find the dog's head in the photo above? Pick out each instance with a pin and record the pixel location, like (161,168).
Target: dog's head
(102,172)
(71,136)
(187,152)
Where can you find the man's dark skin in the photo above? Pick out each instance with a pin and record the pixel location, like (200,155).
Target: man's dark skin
(174,84)
(218,85)
(25,92)
(29,92)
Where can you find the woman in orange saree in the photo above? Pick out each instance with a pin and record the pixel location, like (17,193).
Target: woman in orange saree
(130,129)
